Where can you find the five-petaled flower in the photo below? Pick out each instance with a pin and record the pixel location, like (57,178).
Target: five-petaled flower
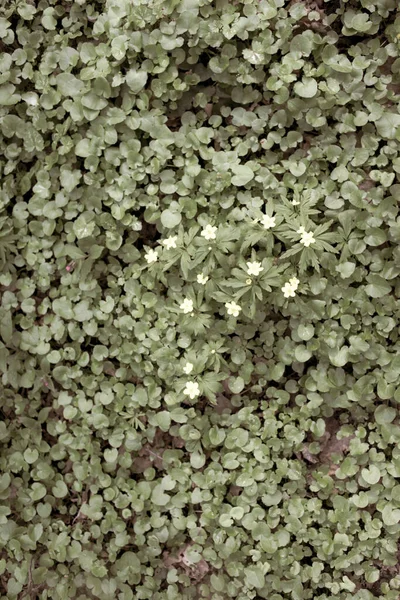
(254,268)
(187,306)
(201,278)
(288,290)
(268,222)
(233,309)
(307,238)
(170,242)
(188,368)
(192,389)
(209,232)
(151,256)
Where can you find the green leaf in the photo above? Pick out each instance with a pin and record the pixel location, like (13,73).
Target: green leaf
(244,480)
(377,287)
(83,148)
(170,219)
(269,544)
(7,96)
(164,420)
(31,456)
(302,354)
(225,521)
(6,327)
(385,414)
(197,460)
(254,577)
(371,474)
(388,125)
(84,225)
(94,102)
(136,80)
(390,515)
(159,497)
(375,237)
(346,269)
(305,332)
(218,582)
(128,561)
(306,88)
(242,175)
(236,384)
(69,85)
(60,490)
(339,357)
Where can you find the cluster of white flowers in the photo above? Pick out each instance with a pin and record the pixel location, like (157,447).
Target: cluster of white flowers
(202,279)
(307,237)
(254,268)
(290,287)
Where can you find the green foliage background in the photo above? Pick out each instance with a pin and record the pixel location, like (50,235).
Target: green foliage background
(125,123)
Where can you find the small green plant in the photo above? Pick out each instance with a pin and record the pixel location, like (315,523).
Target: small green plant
(199,349)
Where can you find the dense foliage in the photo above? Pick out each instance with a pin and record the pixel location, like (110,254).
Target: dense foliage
(199,247)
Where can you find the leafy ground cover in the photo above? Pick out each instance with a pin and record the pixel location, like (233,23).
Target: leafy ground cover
(199,246)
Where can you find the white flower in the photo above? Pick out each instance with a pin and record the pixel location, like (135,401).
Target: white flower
(294,282)
(192,389)
(301,230)
(202,278)
(248,281)
(295,202)
(151,256)
(170,242)
(187,306)
(307,238)
(209,232)
(268,221)
(233,309)
(254,268)
(188,368)
(288,290)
